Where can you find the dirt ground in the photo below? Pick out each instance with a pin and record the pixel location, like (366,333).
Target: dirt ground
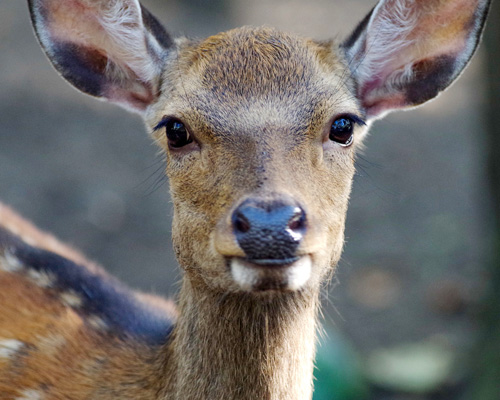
(417,228)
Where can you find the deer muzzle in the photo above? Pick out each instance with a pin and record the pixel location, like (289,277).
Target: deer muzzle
(268,234)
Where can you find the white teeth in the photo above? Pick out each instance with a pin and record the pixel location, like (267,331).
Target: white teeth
(9,347)
(292,277)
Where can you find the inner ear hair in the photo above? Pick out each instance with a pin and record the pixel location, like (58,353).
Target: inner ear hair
(405,52)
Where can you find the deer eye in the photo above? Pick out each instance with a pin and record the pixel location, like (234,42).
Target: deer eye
(341,131)
(177,134)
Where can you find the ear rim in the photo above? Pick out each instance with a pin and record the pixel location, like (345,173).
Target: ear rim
(357,39)
(140,93)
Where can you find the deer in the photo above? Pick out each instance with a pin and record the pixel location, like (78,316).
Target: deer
(260,131)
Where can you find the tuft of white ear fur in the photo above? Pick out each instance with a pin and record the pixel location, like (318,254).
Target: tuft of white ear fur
(128,41)
(113,49)
(405,52)
(390,38)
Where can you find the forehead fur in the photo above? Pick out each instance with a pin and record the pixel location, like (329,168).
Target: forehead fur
(258,73)
(260,61)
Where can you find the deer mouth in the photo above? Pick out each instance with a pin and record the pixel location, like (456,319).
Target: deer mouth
(287,274)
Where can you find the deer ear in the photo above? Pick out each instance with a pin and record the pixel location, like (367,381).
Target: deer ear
(407,51)
(109,49)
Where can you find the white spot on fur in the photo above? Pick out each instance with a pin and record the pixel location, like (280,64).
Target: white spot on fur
(97,323)
(245,276)
(71,298)
(299,273)
(30,394)
(40,278)
(10,262)
(9,347)
(51,343)
(248,275)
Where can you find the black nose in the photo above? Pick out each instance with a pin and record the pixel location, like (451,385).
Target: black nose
(269,232)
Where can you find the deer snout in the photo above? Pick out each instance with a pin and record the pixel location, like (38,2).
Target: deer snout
(263,241)
(269,232)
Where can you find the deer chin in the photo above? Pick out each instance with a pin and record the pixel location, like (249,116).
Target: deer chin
(266,275)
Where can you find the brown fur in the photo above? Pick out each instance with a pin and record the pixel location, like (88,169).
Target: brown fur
(61,356)
(269,337)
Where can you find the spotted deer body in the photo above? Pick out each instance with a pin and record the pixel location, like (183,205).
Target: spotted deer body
(260,130)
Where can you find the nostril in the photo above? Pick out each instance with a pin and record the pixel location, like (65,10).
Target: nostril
(241,223)
(298,220)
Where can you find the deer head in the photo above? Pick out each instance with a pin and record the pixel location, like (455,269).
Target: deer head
(259,128)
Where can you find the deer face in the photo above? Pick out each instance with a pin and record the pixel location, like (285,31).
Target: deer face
(260,184)
(259,127)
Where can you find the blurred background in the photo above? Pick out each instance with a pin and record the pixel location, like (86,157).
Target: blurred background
(409,314)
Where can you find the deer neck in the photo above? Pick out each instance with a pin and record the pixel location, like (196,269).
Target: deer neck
(241,346)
